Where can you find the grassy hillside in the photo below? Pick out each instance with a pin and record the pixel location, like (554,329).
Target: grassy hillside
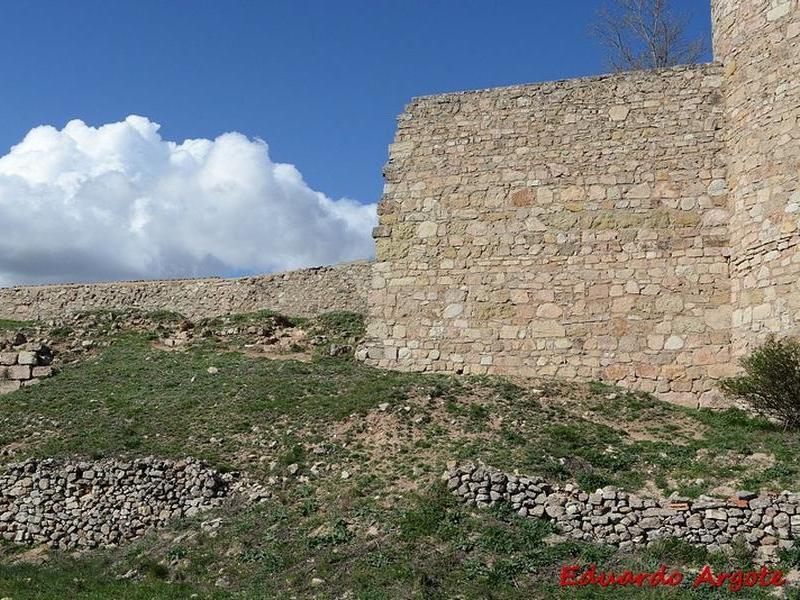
(353,457)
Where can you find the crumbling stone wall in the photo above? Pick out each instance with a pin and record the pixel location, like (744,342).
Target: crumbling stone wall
(575,228)
(102,503)
(23,363)
(767,523)
(306,292)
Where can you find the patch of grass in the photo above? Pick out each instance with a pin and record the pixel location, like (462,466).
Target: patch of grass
(12,325)
(389,530)
(61,332)
(676,552)
(296,454)
(164,316)
(87,579)
(478,413)
(136,400)
(340,324)
(431,515)
(790,558)
(154,570)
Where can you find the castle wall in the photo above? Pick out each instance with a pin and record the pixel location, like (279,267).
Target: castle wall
(298,293)
(640,228)
(758,41)
(575,228)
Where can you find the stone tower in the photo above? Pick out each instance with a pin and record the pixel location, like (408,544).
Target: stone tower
(758,44)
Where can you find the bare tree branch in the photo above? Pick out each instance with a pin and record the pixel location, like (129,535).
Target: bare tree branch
(645,34)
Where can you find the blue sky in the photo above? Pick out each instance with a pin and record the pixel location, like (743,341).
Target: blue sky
(320,81)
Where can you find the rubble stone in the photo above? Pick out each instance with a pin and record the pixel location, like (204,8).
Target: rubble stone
(610,517)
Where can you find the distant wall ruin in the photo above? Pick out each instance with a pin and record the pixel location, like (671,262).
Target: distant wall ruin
(306,292)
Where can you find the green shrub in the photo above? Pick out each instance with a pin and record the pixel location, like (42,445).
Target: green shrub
(771,382)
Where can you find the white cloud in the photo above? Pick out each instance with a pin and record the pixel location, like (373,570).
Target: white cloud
(119,202)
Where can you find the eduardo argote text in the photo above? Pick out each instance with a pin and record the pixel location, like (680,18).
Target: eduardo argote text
(575,575)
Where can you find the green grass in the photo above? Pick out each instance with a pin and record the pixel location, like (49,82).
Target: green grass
(164,316)
(388,530)
(136,399)
(430,547)
(85,579)
(11,325)
(340,324)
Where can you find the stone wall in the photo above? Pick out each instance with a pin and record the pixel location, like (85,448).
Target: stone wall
(103,503)
(766,523)
(574,229)
(23,363)
(306,292)
(640,228)
(758,42)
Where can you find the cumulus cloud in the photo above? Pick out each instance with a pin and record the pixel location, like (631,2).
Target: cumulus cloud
(119,202)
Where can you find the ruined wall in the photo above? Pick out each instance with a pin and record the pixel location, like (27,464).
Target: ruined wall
(298,293)
(23,363)
(103,503)
(767,523)
(758,42)
(575,228)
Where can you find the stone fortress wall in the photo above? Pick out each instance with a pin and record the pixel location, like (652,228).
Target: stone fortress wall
(638,228)
(575,228)
(302,293)
(759,44)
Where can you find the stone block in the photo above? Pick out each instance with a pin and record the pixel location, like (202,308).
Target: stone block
(619,113)
(7,386)
(779,11)
(522,198)
(426,229)
(674,342)
(27,358)
(19,372)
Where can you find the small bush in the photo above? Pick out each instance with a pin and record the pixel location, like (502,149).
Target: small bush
(771,383)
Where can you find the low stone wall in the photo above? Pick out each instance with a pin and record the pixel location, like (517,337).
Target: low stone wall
(302,293)
(609,516)
(104,503)
(23,363)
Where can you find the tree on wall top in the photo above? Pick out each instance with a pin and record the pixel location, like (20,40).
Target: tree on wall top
(645,34)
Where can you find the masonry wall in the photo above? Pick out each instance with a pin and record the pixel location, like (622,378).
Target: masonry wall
(575,228)
(758,42)
(298,293)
